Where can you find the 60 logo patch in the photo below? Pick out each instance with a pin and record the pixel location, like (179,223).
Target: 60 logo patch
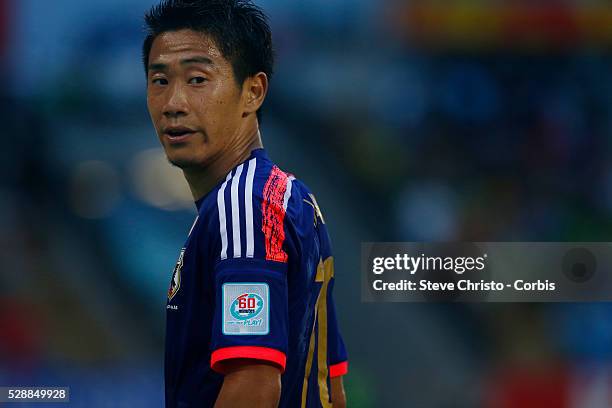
(245,308)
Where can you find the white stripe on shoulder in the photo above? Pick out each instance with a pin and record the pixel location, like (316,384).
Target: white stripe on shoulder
(236,212)
(248,207)
(222,220)
(287,192)
(193,225)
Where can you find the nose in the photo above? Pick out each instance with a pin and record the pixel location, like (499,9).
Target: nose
(176,103)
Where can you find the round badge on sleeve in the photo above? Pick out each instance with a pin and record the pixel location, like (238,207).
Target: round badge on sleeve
(175,283)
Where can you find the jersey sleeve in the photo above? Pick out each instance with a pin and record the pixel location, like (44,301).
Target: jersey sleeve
(250,272)
(337,354)
(336,351)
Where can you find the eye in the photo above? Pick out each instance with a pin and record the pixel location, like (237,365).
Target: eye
(197,80)
(159,81)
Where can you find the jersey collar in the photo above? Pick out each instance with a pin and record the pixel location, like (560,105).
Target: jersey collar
(259,153)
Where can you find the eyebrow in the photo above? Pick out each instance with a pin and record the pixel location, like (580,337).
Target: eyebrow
(197,60)
(192,60)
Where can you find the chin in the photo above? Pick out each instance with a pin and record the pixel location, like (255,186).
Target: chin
(184,162)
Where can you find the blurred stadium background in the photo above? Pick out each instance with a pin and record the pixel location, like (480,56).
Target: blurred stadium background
(411,120)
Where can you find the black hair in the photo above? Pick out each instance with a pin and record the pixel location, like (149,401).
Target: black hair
(238,28)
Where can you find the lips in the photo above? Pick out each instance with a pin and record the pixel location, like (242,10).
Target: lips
(178,134)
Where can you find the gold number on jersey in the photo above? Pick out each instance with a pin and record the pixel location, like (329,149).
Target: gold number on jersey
(325,271)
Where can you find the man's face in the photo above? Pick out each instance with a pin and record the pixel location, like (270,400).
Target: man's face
(192,96)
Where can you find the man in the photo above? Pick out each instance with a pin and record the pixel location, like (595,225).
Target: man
(250,316)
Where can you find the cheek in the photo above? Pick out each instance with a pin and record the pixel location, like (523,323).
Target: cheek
(215,107)
(199,106)
(224,97)
(200,102)
(208,106)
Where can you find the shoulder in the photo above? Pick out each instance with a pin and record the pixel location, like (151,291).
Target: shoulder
(251,210)
(281,191)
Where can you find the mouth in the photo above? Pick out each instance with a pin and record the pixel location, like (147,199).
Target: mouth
(178,134)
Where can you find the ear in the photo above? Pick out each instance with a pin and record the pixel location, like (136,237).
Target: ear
(254,92)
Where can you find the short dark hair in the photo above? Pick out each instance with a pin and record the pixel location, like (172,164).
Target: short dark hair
(238,27)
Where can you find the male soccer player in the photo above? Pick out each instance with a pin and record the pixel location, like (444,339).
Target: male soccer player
(250,316)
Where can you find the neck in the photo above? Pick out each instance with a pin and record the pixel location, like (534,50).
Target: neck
(203,179)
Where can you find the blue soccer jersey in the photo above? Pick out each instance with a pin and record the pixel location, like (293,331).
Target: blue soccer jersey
(254,280)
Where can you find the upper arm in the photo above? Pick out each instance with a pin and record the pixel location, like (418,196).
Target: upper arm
(337,353)
(337,357)
(250,271)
